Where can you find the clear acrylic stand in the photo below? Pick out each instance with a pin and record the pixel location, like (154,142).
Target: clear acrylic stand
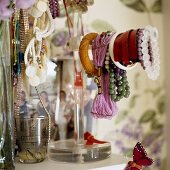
(75,150)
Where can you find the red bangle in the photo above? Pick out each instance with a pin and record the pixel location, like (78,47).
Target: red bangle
(133,46)
(125,48)
(117,49)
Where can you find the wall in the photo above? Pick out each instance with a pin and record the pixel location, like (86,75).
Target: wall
(141,117)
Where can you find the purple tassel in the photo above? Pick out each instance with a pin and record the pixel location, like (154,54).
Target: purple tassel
(103,106)
(99,48)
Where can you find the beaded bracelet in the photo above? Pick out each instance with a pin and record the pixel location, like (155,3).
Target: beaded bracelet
(118,87)
(149,52)
(139,41)
(54,8)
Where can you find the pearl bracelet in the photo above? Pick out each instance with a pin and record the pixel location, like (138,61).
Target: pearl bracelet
(149,52)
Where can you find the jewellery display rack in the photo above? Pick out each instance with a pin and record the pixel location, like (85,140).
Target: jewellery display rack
(75,150)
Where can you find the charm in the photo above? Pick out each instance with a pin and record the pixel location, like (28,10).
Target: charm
(38,9)
(140,158)
(30,71)
(34,81)
(42,74)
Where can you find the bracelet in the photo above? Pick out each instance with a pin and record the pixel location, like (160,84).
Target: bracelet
(139,41)
(133,46)
(150,52)
(111,52)
(54,8)
(117,47)
(125,48)
(118,84)
(89,67)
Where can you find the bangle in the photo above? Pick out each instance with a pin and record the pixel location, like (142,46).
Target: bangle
(89,67)
(111,52)
(125,48)
(117,48)
(54,8)
(133,46)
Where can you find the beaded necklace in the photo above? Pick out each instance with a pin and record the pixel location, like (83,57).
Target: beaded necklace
(54,8)
(23,37)
(118,84)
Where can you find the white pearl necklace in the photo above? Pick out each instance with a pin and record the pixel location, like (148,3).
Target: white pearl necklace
(36,73)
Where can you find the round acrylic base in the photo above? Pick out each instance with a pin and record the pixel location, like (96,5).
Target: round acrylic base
(68,151)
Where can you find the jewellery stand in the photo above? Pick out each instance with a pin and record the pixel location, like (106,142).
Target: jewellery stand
(75,150)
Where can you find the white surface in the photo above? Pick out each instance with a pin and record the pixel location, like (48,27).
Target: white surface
(115,162)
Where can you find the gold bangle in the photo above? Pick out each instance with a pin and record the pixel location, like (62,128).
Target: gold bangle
(89,67)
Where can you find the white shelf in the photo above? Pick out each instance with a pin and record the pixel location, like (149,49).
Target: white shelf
(115,162)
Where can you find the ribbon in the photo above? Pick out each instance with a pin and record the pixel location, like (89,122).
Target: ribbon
(134,165)
(90,140)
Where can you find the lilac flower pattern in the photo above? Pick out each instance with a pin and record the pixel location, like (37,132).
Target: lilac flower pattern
(24,4)
(142,119)
(6,9)
(131,128)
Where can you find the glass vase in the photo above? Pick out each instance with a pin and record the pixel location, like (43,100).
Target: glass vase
(6,118)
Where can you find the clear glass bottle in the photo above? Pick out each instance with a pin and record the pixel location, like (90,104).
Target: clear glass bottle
(6,117)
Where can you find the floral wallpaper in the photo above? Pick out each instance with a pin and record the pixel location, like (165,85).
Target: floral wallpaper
(142,116)
(142,6)
(140,123)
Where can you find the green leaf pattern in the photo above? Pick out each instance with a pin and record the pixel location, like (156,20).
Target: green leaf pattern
(147,116)
(101,26)
(141,5)
(146,124)
(121,116)
(157,6)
